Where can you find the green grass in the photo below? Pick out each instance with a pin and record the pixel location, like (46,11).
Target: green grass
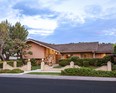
(91,67)
(46,73)
(35,67)
(57,67)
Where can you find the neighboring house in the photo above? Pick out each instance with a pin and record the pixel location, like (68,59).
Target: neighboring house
(54,52)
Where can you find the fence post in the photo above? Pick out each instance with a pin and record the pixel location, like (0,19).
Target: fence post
(15,64)
(28,65)
(42,65)
(4,65)
(109,66)
(71,64)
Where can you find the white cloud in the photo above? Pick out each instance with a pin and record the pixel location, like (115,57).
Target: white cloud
(6,11)
(110,32)
(38,25)
(73,10)
(41,32)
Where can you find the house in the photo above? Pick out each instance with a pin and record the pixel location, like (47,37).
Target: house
(53,52)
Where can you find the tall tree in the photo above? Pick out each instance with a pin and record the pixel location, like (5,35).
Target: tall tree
(13,40)
(4,35)
(18,31)
(19,34)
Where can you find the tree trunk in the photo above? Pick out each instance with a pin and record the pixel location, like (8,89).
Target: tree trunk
(1,49)
(1,57)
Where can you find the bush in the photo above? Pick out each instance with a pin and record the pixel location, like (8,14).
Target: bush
(107,58)
(11,71)
(33,62)
(19,63)
(10,63)
(79,62)
(86,63)
(1,65)
(16,71)
(5,71)
(73,58)
(64,62)
(87,72)
(113,67)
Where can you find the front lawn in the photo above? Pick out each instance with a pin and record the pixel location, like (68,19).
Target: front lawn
(46,73)
(35,67)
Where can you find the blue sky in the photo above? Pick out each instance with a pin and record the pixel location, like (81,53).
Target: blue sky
(63,21)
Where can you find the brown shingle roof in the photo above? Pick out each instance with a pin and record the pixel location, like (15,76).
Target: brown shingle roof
(79,47)
(105,48)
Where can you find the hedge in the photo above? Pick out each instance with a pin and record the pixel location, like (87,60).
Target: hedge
(11,71)
(64,62)
(87,72)
(33,62)
(85,62)
(114,67)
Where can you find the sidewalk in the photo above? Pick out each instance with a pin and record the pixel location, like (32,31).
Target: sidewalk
(58,77)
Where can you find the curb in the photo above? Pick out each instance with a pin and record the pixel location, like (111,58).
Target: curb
(58,77)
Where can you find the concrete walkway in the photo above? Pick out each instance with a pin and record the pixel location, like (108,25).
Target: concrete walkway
(58,77)
(38,70)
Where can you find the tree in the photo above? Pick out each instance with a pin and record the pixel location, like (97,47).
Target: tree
(4,35)
(13,40)
(114,48)
(19,34)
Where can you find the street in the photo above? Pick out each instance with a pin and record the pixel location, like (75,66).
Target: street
(24,85)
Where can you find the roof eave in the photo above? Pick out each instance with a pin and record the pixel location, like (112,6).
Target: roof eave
(42,45)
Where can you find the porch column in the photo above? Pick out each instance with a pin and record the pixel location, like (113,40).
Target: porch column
(62,56)
(93,54)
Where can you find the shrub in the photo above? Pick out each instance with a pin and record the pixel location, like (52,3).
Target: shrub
(99,62)
(113,67)
(33,62)
(79,62)
(16,71)
(64,62)
(19,63)
(73,58)
(90,62)
(10,63)
(1,65)
(107,58)
(87,72)
(11,71)
(5,71)
(86,63)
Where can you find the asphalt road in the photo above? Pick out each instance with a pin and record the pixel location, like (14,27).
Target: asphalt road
(24,85)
